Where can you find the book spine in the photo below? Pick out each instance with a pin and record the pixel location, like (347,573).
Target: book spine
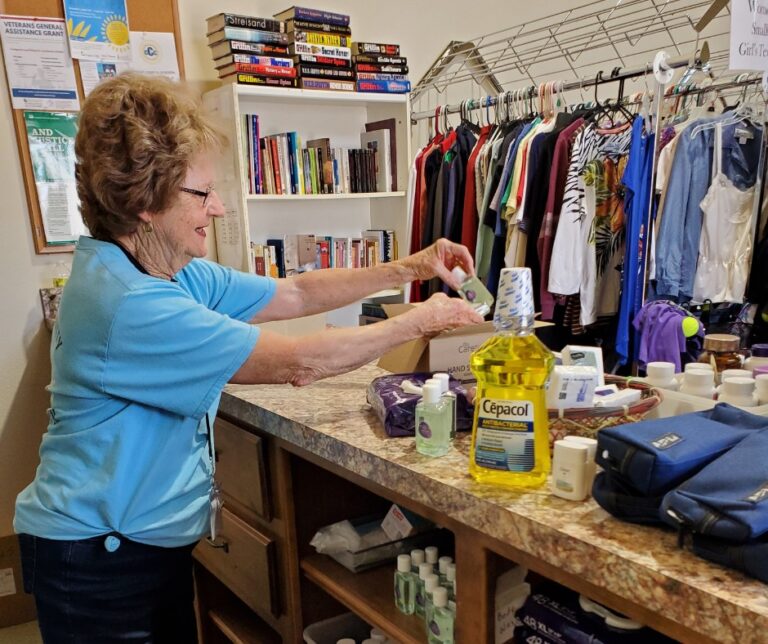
(322,60)
(320,38)
(394,87)
(255,48)
(255,36)
(316,15)
(251,79)
(372,68)
(381,77)
(248,22)
(313,171)
(248,150)
(293,139)
(376,48)
(305,48)
(336,85)
(325,72)
(266,70)
(279,189)
(288,147)
(247,59)
(379,59)
(307,170)
(267,180)
(304,25)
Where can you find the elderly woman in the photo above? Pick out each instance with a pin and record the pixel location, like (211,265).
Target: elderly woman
(148,334)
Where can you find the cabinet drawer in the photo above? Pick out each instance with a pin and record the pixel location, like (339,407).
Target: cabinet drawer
(241,468)
(245,561)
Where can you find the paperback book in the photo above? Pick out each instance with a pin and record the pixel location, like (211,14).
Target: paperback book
(231,47)
(221,20)
(302,48)
(248,35)
(305,25)
(313,15)
(375,48)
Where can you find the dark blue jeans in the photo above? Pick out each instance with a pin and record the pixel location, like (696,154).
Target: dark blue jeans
(90,591)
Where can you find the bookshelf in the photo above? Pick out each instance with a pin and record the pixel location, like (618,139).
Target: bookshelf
(339,116)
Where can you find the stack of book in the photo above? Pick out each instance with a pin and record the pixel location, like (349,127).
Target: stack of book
(295,254)
(380,68)
(320,45)
(250,50)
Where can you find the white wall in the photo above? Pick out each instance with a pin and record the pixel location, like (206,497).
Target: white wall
(422,28)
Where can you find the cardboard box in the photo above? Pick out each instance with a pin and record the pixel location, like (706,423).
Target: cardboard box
(448,352)
(16,607)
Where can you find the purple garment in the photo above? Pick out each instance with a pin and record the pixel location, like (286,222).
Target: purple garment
(660,328)
(397,410)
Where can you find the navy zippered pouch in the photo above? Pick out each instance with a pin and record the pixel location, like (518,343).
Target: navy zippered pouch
(656,455)
(751,558)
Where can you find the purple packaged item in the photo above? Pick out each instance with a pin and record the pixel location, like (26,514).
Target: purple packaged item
(396,409)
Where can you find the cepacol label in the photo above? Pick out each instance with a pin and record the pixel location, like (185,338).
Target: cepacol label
(507,409)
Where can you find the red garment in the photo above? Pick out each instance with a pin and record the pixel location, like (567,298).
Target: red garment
(470,216)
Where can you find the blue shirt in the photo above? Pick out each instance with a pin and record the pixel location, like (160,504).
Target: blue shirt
(138,365)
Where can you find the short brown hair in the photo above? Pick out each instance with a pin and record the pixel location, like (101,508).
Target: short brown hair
(136,137)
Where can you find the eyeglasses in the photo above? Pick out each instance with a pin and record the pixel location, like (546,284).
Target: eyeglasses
(205,194)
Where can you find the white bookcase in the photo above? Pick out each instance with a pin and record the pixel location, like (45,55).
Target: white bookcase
(340,116)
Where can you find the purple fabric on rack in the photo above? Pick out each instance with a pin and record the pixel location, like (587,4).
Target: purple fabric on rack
(660,328)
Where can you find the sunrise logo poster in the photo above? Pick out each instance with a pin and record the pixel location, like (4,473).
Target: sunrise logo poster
(98,30)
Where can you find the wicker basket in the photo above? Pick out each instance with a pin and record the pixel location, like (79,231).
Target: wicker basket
(587,422)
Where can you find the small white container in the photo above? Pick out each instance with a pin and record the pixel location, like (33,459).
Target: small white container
(734,373)
(699,382)
(662,375)
(569,470)
(699,366)
(761,388)
(591,445)
(377,635)
(738,391)
(431,554)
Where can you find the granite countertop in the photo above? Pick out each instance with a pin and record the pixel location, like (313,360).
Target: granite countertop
(332,420)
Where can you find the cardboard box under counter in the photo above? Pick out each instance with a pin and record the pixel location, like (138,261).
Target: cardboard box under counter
(448,352)
(16,607)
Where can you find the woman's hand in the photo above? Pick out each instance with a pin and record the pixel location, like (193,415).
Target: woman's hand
(438,260)
(442,313)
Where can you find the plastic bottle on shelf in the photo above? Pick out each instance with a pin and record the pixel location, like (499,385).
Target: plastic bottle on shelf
(440,628)
(417,558)
(377,635)
(425,570)
(61,274)
(473,291)
(405,586)
(450,581)
(758,357)
(432,556)
(699,382)
(431,583)
(661,375)
(433,422)
(738,391)
(445,386)
(442,567)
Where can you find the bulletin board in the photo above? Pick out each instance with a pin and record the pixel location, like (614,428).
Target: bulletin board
(143,15)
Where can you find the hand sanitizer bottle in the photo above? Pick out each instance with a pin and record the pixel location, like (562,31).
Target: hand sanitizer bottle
(433,422)
(442,565)
(417,558)
(431,583)
(473,291)
(510,433)
(405,586)
(431,554)
(445,385)
(425,570)
(440,627)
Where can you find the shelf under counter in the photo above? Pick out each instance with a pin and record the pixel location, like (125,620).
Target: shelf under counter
(369,594)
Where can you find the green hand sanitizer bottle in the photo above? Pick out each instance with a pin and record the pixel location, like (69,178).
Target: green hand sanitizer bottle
(440,627)
(510,434)
(405,586)
(473,291)
(433,422)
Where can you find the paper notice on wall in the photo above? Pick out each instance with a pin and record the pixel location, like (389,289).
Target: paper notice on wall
(749,35)
(38,64)
(98,30)
(152,53)
(51,138)
(7,582)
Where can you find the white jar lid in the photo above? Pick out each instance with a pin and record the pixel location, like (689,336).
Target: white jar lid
(699,378)
(739,386)
(660,370)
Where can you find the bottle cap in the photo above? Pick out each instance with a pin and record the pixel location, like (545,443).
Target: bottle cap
(699,378)
(721,342)
(403,563)
(431,582)
(759,371)
(735,373)
(440,597)
(739,386)
(431,553)
(425,569)
(377,635)
(450,572)
(760,350)
(445,381)
(460,274)
(660,371)
(589,443)
(570,452)
(514,297)
(431,393)
(443,564)
(417,556)
(698,366)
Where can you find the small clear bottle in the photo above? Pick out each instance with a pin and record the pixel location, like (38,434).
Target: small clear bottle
(431,583)
(433,422)
(61,274)
(425,570)
(445,385)
(473,291)
(417,558)
(440,627)
(442,567)
(405,586)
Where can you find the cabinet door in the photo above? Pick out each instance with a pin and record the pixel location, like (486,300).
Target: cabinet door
(241,469)
(244,560)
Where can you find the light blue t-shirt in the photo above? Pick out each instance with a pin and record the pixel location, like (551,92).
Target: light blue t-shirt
(138,365)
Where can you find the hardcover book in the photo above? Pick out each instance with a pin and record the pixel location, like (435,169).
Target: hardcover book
(323,60)
(380,59)
(320,38)
(380,77)
(252,59)
(325,72)
(248,35)
(243,78)
(375,68)
(305,25)
(375,48)
(327,84)
(378,142)
(313,15)
(221,20)
(391,87)
(391,126)
(228,47)
(259,70)
(299,48)
(325,168)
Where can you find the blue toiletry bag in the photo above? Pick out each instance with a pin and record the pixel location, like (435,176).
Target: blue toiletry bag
(618,498)
(750,558)
(728,498)
(656,455)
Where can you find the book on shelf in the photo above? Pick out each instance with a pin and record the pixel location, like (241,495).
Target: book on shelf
(323,252)
(259,70)
(252,59)
(248,35)
(327,61)
(306,25)
(385,243)
(327,84)
(381,77)
(279,246)
(391,126)
(265,260)
(221,20)
(305,48)
(384,86)
(324,162)
(313,15)
(381,59)
(375,48)
(242,78)
(378,142)
(231,47)
(317,71)
(376,68)
(321,38)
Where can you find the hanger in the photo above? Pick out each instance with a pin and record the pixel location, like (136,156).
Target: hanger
(618,107)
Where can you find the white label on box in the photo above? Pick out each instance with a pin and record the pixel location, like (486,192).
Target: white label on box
(395,525)
(7,582)
(451,353)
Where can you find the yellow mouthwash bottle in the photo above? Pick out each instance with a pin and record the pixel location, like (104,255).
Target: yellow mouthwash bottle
(510,433)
